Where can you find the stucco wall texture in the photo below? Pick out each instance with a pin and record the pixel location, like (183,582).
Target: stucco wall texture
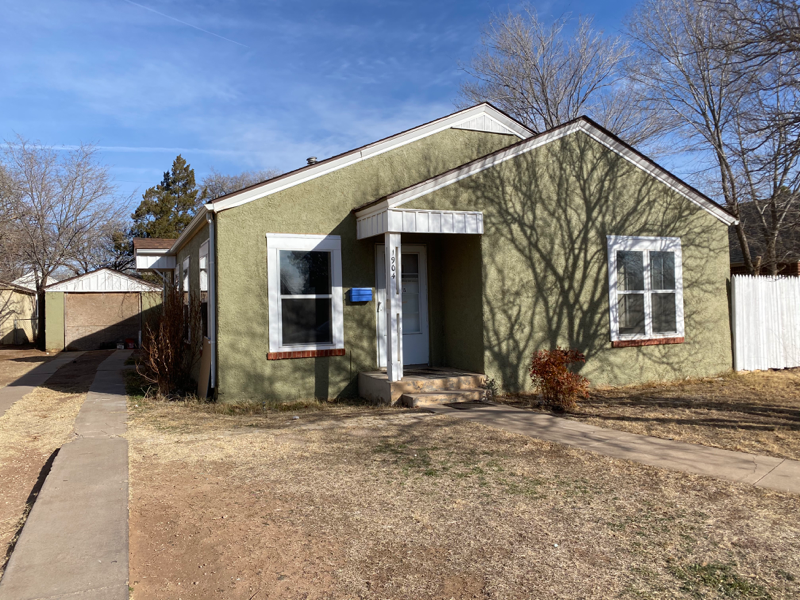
(319,206)
(544,264)
(16,316)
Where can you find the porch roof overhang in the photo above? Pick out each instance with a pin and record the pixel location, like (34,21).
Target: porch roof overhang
(154,259)
(381,219)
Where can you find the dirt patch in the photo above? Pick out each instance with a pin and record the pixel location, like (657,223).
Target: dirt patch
(30,432)
(14,363)
(385,504)
(755,412)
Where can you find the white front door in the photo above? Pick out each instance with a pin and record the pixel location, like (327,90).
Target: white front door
(414,273)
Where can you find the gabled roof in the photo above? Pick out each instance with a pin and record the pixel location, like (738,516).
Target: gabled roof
(103,280)
(152,243)
(582,124)
(5,285)
(482,117)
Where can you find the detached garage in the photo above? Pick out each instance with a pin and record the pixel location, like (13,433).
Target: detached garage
(97,310)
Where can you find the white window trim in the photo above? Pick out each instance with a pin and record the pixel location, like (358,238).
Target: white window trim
(203,263)
(186,286)
(185,283)
(645,245)
(328,243)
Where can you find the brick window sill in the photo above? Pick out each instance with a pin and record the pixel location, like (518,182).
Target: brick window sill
(305,354)
(650,342)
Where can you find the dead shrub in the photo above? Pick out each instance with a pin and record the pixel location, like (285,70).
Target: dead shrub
(560,388)
(171,344)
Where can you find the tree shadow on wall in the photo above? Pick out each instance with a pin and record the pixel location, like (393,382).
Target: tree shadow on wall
(545,276)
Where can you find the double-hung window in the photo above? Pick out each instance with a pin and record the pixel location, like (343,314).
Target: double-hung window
(645,289)
(305,292)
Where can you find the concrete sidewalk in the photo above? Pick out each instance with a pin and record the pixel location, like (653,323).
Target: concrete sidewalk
(32,379)
(764,471)
(75,541)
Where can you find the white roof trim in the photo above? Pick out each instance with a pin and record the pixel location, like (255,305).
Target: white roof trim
(456,120)
(190,230)
(426,187)
(103,280)
(400,220)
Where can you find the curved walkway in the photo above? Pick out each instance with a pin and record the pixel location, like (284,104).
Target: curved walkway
(763,471)
(75,541)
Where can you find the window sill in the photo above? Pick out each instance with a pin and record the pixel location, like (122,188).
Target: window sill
(305,354)
(648,342)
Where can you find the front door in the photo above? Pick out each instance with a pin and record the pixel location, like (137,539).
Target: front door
(414,268)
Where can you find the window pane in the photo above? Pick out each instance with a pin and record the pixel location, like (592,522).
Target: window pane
(662,270)
(630,270)
(631,313)
(664,313)
(305,272)
(306,320)
(410,263)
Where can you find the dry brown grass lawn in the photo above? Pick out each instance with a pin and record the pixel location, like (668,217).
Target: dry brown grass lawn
(15,362)
(755,412)
(368,503)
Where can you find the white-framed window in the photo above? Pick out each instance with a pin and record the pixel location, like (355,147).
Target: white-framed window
(203,273)
(305,292)
(187,329)
(645,288)
(203,262)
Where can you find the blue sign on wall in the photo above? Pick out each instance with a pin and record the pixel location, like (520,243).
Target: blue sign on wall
(360,294)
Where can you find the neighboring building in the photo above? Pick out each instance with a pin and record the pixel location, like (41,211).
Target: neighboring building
(500,242)
(97,310)
(787,252)
(18,314)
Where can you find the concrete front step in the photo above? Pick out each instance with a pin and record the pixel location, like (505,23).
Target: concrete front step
(414,400)
(375,386)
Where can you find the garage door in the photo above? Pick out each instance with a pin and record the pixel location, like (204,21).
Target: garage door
(94,320)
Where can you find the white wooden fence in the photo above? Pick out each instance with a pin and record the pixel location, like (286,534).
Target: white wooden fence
(766,322)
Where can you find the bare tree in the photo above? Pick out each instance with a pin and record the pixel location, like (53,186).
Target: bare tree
(10,267)
(689,65)
(543,77)
(216,184)
(110,247)
(61,201)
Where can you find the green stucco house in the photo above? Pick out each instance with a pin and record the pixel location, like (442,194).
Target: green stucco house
(446,254)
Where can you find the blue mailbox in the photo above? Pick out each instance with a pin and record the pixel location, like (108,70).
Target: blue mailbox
(360,294)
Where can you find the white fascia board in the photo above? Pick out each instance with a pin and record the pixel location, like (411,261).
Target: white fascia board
(157,262)
(371,150)
(431,185)
(198,220)
(470,169)
(659,173)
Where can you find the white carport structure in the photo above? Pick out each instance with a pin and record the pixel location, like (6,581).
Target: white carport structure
(382,219)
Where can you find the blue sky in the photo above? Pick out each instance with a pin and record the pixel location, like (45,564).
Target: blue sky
(236,85)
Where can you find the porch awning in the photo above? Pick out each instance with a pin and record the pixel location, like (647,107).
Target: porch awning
(372,221)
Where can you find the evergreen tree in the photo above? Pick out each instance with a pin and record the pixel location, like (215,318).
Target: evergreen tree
(167,208)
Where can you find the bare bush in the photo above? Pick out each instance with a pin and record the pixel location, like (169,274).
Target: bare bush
(171,344)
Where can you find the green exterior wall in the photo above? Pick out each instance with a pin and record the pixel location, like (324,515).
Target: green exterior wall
(151,302)
(320,206)
(544,278)
(54,321)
